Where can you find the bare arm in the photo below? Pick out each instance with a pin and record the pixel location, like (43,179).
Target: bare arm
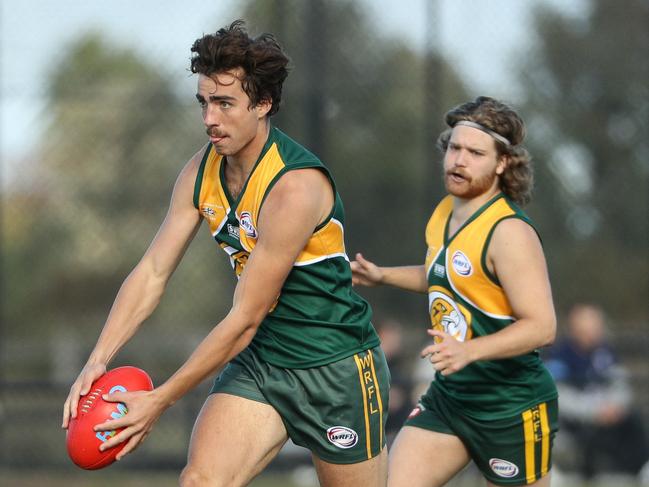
(294,207)
(142,289)
(410,278)
(516,257)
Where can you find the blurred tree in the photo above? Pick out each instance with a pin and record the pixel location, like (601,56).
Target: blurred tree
(588,106)
(117,135)
(356,98)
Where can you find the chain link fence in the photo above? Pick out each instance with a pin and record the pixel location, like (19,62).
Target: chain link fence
(94,138)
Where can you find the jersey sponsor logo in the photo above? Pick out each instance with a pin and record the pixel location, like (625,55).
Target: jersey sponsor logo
(439,270)
(503,468)
(447,316)
(342,437)
(233,231)
(245,220)
(209,210)
(461,264)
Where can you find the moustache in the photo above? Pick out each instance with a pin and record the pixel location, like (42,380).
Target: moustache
(458,172)
(212,131)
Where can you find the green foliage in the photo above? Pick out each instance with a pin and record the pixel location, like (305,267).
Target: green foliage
(358,100)
(588,103)
(117,136)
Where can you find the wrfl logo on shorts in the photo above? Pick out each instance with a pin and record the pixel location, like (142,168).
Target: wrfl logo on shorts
(503,468)
(342,437)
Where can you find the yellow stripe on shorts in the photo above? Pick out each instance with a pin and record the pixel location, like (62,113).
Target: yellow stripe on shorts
(378,397)
(545,440)
(536,427)
(368,441)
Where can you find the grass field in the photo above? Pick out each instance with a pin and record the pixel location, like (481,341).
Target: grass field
(23,478)
(298,478)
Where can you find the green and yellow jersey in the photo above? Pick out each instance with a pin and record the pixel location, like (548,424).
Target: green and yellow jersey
(467,301)
(317,318)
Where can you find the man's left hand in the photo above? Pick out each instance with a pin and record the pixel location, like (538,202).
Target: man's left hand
(144,408)
(447,354)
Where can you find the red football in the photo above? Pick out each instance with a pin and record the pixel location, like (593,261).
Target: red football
(82,441)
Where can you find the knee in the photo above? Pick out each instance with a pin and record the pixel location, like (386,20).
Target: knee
(193,476)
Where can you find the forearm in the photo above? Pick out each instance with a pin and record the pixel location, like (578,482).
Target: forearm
(520,337)
(137,298)
(221,345)
(410,278)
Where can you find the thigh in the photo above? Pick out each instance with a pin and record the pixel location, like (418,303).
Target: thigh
(233,439)
(421,457)
(542,482)
(370,473)
(515,450)
(337,411)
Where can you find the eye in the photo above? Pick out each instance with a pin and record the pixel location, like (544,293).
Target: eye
(225,104)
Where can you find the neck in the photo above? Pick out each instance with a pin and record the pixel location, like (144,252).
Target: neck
(464,208)
(243,161)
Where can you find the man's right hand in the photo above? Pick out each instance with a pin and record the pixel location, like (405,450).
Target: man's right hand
(365,273)
(81,387)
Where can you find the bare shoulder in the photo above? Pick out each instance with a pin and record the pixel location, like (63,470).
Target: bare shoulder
(513,241)
(309,187)
(514,231)
(304,181)
(303,196)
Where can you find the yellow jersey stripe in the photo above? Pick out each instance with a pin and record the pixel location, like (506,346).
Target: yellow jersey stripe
(367,418)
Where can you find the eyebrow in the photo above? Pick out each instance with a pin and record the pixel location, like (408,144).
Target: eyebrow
(467,147)
(215,98)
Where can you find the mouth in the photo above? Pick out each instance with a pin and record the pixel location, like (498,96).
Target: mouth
(214,135)
(457,176)
(216,139)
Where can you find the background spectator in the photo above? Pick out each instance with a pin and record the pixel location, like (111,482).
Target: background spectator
(605,432)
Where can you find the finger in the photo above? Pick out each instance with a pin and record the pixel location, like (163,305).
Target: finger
(114,424)
(85,388)
(133,443)
(118,438)
(362,261)
(74,402)
(438,335)
(427,351)
(66,413)
(441,365)
(116,397)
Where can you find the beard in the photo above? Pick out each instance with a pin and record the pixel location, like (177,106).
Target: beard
(468,188)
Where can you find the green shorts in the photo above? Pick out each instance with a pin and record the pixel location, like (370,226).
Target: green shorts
(337,411)
(511,451)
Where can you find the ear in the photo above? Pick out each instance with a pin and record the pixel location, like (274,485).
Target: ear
(263,107)
(503,162)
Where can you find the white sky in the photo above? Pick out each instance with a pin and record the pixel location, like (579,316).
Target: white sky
(480,37)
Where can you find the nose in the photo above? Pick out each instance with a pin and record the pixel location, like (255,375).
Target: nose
(210,115)
(455,158)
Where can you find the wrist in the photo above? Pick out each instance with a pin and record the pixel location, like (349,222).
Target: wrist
(472,351)
(97,359)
